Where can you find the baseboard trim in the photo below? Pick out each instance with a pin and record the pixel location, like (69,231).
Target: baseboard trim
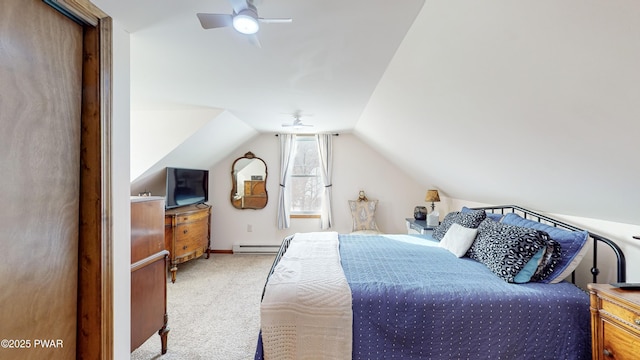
(210,251)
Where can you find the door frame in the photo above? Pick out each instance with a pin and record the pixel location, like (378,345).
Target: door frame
(94,335)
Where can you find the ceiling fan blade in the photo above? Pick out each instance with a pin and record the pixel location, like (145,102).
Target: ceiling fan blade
(253,39)
(297,123)
(239,5)
(211,21)
(275,21)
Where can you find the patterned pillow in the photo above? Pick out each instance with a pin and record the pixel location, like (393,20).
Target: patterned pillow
(364,215)
(572,243)
(550,261)
(490,215)
(506,249)
(469,219)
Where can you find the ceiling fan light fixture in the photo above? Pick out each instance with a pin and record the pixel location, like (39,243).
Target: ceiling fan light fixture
(246,22)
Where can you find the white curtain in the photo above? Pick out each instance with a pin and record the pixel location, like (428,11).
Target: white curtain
(326,159)
(284,197)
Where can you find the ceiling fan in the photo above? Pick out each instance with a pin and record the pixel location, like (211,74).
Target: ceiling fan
(297,123)
(244,18)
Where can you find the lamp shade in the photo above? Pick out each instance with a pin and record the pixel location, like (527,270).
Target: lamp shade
(432,196)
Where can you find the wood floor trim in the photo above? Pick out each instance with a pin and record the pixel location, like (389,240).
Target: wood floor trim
(219,251)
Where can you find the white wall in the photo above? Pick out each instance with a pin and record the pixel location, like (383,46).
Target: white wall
(532,102)
(121,210)
(356,167)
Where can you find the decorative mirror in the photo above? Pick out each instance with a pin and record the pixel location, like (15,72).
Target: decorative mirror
(249,180)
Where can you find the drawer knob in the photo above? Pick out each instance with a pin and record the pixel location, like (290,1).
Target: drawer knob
(185,231)
(637,321)
(607,353)
(184,247)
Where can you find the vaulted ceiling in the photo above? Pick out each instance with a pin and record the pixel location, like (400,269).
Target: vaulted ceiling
(533,102)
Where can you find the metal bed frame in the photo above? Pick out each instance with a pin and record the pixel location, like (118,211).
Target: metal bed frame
(527,214)
(621,262)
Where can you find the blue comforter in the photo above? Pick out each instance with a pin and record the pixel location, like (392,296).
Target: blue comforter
(421,302)
(413,301)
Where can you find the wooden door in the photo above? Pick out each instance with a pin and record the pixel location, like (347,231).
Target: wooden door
(44,133)
(41,92)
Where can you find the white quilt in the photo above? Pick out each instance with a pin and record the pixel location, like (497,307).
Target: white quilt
(306,310)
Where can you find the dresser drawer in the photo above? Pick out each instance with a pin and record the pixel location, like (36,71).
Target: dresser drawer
(618,343)
(188,218)
(190,238)
(623,314)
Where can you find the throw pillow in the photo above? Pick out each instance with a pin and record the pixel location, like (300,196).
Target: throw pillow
(470,220)
(572,245)
(490,215)
(506,249)
(458,239)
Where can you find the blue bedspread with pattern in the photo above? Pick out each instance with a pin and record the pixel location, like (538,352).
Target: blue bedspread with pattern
(413,301)
(421,302)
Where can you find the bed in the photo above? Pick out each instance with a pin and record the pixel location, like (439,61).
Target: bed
(351,296)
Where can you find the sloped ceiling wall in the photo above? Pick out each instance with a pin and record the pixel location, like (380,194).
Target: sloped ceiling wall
(526,102)
(158,131)
(197,148)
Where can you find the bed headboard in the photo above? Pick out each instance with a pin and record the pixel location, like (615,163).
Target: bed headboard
(528,214)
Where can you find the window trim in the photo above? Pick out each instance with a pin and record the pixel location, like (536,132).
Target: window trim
(305,216)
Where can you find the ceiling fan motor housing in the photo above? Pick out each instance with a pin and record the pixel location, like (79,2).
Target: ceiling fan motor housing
(246,21)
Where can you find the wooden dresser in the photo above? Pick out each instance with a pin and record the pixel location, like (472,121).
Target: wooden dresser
(615,322)
(187,234)
(255,194)
(149,260)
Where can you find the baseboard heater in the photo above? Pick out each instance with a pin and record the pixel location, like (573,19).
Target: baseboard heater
(255,249)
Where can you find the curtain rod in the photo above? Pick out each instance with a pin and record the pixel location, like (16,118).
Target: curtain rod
(334,134)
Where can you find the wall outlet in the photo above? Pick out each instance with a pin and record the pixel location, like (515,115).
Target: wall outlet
(249,228)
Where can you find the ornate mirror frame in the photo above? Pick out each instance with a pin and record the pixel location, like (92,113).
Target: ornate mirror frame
(249,182)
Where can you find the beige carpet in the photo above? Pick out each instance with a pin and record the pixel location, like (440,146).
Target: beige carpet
(214,309)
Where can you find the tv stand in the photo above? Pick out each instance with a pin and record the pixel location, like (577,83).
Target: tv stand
(187,234)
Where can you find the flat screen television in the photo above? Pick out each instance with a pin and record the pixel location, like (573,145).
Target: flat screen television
(186,187)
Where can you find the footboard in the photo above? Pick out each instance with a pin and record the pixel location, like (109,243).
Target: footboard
(528,214)
(283,248)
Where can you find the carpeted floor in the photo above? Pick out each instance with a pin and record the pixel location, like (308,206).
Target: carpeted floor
(214,309)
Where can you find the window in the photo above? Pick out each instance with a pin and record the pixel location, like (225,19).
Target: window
(306,178)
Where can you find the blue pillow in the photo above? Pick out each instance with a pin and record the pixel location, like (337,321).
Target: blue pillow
(524,276)
(571,242)
(490,215)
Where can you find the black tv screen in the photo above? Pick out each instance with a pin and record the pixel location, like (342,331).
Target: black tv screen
(186,187)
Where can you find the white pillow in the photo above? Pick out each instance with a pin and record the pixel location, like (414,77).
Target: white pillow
(458,239)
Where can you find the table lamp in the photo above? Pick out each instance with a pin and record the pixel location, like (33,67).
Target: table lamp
(433,219)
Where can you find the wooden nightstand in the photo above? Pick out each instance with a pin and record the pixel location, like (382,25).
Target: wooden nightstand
(417,226)
(615,322)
